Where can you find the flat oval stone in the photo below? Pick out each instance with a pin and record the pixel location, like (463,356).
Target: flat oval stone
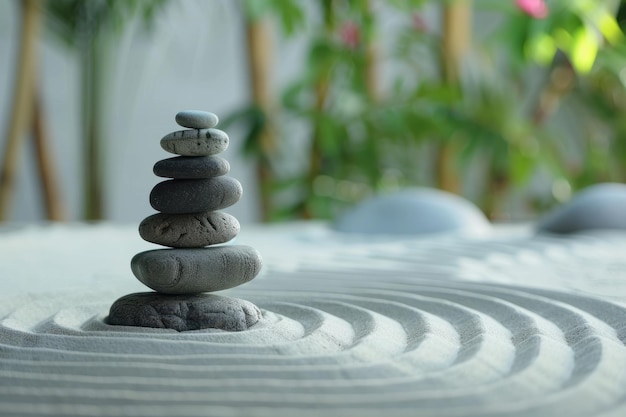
(191,167)
(195,196)
(414,211)
(189,271)
(196,119)
(189,230)
(197,142)
(183,313)
(600,206)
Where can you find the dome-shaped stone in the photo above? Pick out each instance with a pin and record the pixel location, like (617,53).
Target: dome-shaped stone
(413,211)
(600,206)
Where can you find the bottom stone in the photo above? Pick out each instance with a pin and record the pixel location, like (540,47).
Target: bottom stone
(183,312)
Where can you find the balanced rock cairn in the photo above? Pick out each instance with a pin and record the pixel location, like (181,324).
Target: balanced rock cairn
(189,222)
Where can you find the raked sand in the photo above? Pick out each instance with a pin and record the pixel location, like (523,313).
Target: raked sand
(504,324)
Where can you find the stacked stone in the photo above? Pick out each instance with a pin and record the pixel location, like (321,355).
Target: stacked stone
(190,224)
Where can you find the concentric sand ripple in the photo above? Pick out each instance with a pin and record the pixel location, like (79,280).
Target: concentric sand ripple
(401,333)
(395,347)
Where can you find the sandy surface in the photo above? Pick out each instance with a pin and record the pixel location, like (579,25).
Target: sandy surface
(508,323)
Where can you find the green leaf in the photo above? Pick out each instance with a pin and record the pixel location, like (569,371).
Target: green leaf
(584,49)
(521,166)
(291,15)
(541,48)
(610,28)
(253,119)
(440,93)
(329,135)
(322,53)
(288,12)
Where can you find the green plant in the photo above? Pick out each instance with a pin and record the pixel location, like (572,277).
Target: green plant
(553,65)
(542,92)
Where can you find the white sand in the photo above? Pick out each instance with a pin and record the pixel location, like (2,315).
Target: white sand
(507,324)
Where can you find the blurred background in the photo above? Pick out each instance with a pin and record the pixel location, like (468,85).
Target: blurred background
(512,104)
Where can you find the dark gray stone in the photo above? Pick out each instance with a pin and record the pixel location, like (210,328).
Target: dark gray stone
(413,211)
(601,206)
(196,119)
(195,196)
(189,230)
(189,271)
(191,167)
(182,313)
(197,142)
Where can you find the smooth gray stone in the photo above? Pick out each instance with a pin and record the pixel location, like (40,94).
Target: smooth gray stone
(413,211)
(600,206)
(195,196)
(191,167)
(189,230)
(183,312)
(189,271)
(197,142)
(196,119)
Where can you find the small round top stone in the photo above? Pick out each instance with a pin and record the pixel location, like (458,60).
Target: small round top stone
(196,119)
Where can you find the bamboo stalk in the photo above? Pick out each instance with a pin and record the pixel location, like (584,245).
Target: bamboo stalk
(260,58)
(457,33)
(457,17)
(22,107)
(53,203)
(92,158)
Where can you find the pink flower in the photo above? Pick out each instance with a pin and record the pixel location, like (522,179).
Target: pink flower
(418,23)
(350,34)
(533,8)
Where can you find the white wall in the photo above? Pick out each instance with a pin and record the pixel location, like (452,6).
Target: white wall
(194,59)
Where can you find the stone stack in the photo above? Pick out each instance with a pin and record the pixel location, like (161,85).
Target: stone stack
(190,224)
